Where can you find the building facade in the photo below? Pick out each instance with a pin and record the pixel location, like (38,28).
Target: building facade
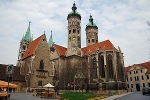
(98,63)
(138,76)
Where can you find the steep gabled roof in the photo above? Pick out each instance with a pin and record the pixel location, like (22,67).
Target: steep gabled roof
(61,50)
(104,45)
(145,65)
(29,52)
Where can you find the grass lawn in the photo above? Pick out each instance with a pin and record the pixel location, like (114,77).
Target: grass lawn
(78,95)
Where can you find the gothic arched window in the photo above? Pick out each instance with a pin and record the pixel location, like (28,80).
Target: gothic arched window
(102,64)
(94,68)
(41,67)
(110,66)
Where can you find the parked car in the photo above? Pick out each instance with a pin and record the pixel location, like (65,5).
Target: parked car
(145,90)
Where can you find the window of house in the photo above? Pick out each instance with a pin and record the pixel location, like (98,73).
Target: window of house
(147,77)
(78,31)
(135,78)
(69,31)
(24,47)
(141,70)
(142,77)
(39,83)
(102,66)
(130,78)
(128,85)
(96,41)
(89,41)
(149,84)
(127,79)
(130,73)
(143,85)
(110,64)
(41,67)
(74,31)
(136,71)
(92,40)
(94,67)
(131,85)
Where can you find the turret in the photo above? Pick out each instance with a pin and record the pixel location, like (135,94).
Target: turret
(91,32)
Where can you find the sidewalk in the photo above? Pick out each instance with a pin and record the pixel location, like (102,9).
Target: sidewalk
(116,96)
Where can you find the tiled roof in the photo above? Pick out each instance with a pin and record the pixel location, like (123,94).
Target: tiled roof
(104,45)
(61,50)
(107,45)
(145,65)
(29,52)
(16,75)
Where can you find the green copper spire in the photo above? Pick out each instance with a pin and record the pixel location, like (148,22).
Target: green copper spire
(91,23)
(74,12)
(50,43)
(27,36)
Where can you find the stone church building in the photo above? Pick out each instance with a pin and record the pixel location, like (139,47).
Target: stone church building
(98,64)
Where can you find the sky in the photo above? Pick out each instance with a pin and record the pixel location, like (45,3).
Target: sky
(123,22)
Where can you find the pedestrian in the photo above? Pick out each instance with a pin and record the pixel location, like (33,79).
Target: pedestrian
(131,89)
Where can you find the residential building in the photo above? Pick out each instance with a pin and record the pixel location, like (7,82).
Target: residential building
(138,76)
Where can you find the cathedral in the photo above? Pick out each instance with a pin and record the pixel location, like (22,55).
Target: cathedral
(99,65)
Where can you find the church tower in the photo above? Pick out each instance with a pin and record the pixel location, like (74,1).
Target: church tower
(74,32)
(24,43)
(91,32)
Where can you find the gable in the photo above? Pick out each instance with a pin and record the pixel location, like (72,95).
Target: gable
(29,52)
(135,67)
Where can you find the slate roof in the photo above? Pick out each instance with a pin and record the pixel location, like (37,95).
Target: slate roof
(16,75)
(29,52)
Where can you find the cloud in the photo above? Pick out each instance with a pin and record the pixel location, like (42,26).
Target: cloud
(123,22)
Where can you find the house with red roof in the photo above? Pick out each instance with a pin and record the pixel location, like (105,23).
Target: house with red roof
(138,76)
(43,61)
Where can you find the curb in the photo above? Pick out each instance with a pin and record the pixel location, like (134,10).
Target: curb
(122,96)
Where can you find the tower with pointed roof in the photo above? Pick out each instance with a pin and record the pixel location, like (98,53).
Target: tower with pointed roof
(74,32)
(24,43)
(91,32)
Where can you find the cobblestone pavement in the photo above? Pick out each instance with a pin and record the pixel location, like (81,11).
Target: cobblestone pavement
(135,96)
(26,96)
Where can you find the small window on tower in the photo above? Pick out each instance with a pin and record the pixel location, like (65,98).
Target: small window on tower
(89,41)
(78,38)
(24,47)
(74,31)
(69,31)
(92,40)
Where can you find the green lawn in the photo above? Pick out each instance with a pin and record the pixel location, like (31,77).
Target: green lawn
(78,95)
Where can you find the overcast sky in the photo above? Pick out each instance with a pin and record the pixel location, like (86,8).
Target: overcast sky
(123,22)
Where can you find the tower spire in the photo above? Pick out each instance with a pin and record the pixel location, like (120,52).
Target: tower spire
(27,36)
(50,43)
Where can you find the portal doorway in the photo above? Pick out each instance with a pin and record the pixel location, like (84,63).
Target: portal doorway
(137,87)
